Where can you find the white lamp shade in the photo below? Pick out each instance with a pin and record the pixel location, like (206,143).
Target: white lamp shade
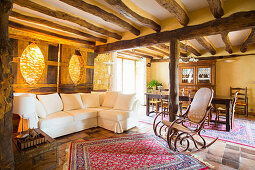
(24,104)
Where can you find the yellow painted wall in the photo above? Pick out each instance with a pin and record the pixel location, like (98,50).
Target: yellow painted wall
(239,73)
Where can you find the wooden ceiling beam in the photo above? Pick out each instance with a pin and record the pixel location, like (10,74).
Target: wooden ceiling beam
(175,9)
(132,15)
(137,54)
(226,40)
(147,53)
(65,16)
(190,48)
(47,33)
(109,17)
(159,51)
(248,40)
(129,55)
(55,25)
(234,22)
(216,8)
(206,44)
(163,47)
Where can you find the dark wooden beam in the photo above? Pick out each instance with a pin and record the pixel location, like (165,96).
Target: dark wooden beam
(159,51)
(216,8)
(206,44)
(147,53)
(162,46)
(6,89)
(65,16)
(137,54)
(47,33)
(173,104)
(190,49)
(55,25)
(175,9)
(109,17)
(248,40)
(226,40)
(234,22)
(132,15)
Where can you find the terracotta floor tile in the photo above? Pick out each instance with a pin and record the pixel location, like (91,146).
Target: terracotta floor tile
(214,158)
(233,147)
(247,162)
(230,163)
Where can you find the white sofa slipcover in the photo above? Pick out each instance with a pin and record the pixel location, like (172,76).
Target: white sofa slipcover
(65,122)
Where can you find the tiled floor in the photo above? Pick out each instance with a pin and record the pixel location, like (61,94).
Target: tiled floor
(222,155)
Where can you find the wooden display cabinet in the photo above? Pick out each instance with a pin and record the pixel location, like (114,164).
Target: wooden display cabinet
(195,75)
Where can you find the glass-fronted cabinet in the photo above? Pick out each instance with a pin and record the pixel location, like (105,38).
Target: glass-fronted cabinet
(194,75)
(188,75)
(204,75)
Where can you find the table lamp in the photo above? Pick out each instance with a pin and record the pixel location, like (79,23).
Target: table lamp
(24,105)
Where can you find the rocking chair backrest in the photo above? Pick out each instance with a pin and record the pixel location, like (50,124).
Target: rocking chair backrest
(200,103)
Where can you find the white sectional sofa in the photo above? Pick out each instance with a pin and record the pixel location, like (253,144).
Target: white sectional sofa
(62,114)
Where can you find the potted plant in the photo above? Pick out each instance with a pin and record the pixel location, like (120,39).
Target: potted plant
(155,84)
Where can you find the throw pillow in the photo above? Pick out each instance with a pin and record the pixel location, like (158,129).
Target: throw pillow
(90,100)
(39,109)
(51,102)
(101,96)
(71,101)
(124,102)
(110,99)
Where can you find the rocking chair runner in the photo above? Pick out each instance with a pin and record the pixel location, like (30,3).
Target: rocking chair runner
(182,130)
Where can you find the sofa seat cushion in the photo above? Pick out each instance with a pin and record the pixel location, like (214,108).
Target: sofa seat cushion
(82,114)
(115,115)
(55,119)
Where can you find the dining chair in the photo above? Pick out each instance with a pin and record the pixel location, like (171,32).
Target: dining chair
(164,102)
(221,112)
(242,99)
(153,102)
(183,132)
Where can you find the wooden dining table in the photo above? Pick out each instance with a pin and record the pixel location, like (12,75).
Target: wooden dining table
(217,99)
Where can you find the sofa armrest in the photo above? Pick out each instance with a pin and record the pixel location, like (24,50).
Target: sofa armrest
(136,105)
(33,120)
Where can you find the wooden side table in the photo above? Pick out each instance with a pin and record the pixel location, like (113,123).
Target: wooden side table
(43,156)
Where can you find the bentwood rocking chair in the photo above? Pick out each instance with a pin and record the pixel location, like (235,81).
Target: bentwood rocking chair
(180,133)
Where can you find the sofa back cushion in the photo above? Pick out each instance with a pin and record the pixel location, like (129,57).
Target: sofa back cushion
(71,101)
(39,109)
(52,102)
(101,96)
(90,100)
(124,102)
(110,99)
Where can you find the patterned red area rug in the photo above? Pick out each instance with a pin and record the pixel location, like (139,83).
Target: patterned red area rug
(143,151)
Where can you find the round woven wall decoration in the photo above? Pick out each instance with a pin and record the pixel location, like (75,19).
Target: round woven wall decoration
(32,64)
(76,67)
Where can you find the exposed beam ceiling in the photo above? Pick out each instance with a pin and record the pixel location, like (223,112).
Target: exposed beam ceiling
(147,53)
(55,25)
(190,48)
(206,44)
(47,33)
(226,40)
(109,17)
(133,16)
(65,16)
(216,8)
(159,51)
(234,22)
(248,40)
(136,54)
(175,9)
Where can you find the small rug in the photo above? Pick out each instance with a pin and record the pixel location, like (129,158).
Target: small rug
(143,151)
(243,132)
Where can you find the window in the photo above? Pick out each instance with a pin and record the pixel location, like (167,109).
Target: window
(126,79)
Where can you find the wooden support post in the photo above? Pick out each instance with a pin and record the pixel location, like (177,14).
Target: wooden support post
(173,104)
(6,89)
